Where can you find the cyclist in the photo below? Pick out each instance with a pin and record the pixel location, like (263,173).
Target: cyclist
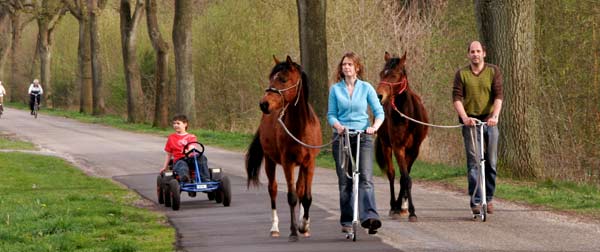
(35,89)
(2,93)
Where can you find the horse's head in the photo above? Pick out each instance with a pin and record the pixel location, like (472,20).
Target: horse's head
(392,78)
(285,85)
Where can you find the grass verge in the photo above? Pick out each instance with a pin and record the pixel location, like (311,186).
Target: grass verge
(558,195)
(8,143)
(48,205)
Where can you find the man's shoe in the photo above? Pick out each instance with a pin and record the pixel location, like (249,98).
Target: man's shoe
(490,208)
(475,210)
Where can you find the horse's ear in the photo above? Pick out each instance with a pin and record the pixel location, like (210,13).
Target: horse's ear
(387,56)
(403,59)
(275,59)
(289,60)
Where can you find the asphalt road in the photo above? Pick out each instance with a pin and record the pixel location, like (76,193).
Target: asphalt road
(444,219)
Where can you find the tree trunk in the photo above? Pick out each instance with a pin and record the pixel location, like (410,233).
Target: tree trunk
(161,48)
(182,43)
(5,28)
(48,16)
(507,28)
(17,84)
(45,56)
(97,85)
(84,60)
(313,51)
(129,25)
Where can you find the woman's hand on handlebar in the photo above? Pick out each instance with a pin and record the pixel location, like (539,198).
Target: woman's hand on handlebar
(371,130)
(339,128)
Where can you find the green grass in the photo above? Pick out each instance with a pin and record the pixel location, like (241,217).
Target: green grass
(12,144)
(48,205)
(562,196)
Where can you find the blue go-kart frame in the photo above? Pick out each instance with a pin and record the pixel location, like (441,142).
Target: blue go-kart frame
(169,184)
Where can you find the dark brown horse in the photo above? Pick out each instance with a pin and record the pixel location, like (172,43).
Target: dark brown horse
(288,91)
(398,135)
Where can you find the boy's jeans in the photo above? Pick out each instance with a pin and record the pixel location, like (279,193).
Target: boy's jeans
(182,167)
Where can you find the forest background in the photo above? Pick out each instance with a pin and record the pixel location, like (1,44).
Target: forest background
(234,41)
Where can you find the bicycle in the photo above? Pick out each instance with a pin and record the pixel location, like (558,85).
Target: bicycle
(36,105)
(345,155)
(481,175)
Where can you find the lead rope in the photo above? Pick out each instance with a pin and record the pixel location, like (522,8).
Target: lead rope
(288,131)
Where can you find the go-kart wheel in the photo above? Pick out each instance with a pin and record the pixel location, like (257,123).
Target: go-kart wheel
(175,194)
(159,190)
(167,193)
(219,195)
(211,195)
(226,191)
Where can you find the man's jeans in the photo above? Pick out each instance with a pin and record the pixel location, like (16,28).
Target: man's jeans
(472,138)
(366,190)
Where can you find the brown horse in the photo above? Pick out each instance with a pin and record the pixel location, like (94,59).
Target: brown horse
(288,94)
(398,135)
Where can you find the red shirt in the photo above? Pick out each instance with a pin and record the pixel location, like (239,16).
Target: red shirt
(176,142)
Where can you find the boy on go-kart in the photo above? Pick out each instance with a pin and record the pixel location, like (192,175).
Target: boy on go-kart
(174,149)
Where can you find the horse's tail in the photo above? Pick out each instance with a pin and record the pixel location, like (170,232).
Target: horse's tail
(381,160)
(254,158)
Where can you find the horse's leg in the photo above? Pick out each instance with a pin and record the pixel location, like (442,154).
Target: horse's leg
(386,153)
(410,159)
(401,201)
(288,169)
(303,189)
(270,166)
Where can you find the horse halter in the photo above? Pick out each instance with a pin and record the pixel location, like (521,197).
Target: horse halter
(403,82)
(280,91)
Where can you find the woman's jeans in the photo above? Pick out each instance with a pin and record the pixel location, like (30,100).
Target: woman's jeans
(366,190)
(471,136)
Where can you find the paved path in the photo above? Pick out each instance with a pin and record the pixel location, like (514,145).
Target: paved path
(444,219)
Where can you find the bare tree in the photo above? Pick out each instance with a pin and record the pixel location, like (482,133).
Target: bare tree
(79,10)
(313,51)
(129,25)
(16,81)
(507,28)
(161,48)
(48,16)
(182,43)
(95,7)
(5,28)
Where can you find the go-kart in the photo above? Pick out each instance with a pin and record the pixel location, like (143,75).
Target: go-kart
(169,184)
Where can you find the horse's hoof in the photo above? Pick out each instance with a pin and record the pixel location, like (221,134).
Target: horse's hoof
(412,218)
(302,231)
(293,238)
(404,212)
(274,234)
